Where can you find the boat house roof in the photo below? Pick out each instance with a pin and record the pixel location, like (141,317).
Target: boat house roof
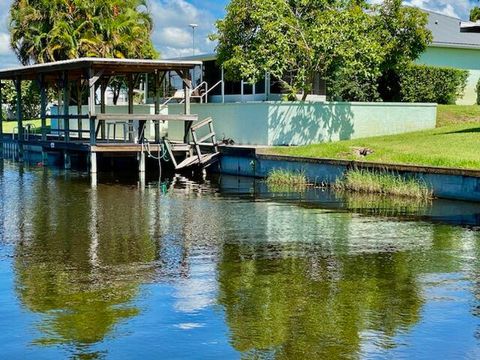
(76,68)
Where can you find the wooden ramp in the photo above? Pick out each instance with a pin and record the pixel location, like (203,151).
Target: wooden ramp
(195,157)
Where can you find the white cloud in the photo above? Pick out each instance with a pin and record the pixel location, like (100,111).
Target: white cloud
(455,8)
(173,36)
(5,44)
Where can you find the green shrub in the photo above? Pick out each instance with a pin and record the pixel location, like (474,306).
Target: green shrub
(442,85)
(478,92)
(30,100)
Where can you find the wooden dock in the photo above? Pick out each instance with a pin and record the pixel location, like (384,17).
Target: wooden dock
(90,78)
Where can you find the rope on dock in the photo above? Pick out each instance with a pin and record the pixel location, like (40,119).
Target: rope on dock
(162,153)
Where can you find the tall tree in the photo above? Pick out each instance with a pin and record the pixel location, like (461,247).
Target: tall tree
(350,43)
(298,37)
(475,14)
(51,30)
(405,36)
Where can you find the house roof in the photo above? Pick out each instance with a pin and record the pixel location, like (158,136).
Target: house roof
(449,31)
(201,57)
(76,67)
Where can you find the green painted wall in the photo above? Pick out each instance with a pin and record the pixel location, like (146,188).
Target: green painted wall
(287,123)
(468,59)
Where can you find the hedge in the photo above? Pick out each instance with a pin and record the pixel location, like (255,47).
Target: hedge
(442,85)
(478,92)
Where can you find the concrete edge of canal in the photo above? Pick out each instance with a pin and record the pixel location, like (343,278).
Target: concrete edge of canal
(446,183)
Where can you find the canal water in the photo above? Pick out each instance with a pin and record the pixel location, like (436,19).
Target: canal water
(227,268)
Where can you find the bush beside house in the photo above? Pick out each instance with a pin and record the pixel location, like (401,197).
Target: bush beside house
(478,92)
(442,85)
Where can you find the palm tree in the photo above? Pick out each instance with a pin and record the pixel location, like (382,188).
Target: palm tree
(51,30)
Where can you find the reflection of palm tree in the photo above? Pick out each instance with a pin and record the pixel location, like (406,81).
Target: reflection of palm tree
(82,302)
(315,307)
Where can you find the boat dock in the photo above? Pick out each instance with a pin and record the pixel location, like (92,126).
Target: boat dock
(120,133)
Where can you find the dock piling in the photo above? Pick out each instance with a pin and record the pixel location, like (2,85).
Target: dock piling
(93,162)
(67,163)
(141,162)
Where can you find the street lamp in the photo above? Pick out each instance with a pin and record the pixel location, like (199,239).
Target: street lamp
(193,26)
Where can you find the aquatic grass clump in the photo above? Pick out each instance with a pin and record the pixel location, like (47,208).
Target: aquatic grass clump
(279,180)
(376,182)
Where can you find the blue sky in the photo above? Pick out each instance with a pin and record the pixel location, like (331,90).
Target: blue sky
(172,36)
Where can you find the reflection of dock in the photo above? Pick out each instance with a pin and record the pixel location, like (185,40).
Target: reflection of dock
(115,133)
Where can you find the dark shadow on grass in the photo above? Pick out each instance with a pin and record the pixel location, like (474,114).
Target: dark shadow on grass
(464,131)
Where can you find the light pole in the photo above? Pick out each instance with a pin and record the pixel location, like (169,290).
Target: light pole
(193,26)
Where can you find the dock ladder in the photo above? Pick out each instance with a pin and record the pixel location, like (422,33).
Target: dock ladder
(195,155)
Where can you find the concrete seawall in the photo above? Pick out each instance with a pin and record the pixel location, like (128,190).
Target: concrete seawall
(446,183)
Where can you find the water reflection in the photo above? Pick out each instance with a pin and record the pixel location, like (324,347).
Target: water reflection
(446,211)
(315,307)
(80,257)
(310,301)
(288,275)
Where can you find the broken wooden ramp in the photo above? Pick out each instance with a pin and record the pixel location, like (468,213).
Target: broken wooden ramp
(195,156)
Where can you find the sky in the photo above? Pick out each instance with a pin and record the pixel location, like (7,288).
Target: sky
(172,35)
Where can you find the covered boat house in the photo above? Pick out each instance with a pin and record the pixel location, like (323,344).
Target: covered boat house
(88,129)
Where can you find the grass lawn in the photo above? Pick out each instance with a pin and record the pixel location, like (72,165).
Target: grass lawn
(9,125)
(457,114)
(455,143)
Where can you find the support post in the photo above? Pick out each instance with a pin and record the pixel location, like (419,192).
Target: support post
(142,123)
(43,107)
(79,109)
(157,83)
(145,89)
(18,87)
(141,162)
(130,101)
(66,106)
(91,111)
(187,87)
(103,89)
(93,162)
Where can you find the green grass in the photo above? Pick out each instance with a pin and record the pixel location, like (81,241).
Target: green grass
(283,181)
(8,126)
(373,182)
(457,114)
(455,144)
